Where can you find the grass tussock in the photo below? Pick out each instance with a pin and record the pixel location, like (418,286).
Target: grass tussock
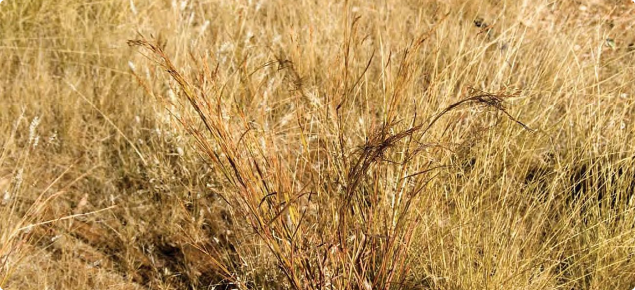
(328,145)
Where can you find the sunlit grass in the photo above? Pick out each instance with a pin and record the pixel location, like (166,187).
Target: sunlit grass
(317,145)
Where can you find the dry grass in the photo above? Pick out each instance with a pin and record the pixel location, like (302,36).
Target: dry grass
(329,145)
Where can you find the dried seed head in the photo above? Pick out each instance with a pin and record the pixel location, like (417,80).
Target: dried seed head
(33,128)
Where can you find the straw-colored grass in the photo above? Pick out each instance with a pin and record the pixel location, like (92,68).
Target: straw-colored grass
(317,145)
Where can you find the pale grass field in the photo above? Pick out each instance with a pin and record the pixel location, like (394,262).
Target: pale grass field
(306,144)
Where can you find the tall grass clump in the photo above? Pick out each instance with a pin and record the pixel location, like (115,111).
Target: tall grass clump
(331,204)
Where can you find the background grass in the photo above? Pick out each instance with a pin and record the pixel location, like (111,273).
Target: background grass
(315,169)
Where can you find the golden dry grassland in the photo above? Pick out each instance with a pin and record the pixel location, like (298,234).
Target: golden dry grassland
(270,144)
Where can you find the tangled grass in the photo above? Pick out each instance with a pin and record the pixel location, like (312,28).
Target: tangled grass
(317,145)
